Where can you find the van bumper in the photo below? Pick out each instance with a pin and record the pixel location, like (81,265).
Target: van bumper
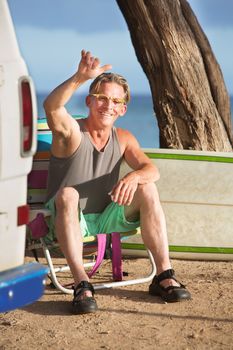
(21,286)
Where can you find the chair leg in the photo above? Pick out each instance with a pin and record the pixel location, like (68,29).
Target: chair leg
(96,286)
(53,270)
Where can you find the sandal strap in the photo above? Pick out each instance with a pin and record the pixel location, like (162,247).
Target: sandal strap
(83,286)
(181,286)
(170,273)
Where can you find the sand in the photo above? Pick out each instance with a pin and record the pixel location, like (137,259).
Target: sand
(128,317)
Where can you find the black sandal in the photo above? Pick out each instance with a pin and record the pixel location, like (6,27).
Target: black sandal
(169,294)
(86,304)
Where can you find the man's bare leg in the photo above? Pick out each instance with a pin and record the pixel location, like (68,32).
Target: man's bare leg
(68,231)
(153,226)
(70,239)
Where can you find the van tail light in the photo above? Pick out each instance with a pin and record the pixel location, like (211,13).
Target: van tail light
(27,115)
(23,215)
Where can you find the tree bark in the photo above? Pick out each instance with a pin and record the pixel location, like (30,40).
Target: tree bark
(189,94)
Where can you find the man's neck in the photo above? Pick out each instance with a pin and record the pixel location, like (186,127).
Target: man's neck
(98,136)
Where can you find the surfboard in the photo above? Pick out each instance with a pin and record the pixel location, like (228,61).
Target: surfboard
(196,192)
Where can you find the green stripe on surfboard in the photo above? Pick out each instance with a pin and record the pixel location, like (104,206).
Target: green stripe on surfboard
(199,158)
(183,249)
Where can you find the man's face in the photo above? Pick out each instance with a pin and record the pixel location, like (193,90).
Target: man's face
(108,104)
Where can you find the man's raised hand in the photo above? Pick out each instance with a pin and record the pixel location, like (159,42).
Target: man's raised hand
(89,66)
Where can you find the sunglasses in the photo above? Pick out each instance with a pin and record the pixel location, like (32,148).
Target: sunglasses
(105,99)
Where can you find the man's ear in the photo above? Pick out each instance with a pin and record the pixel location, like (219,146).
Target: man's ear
(88,100)
(123,110)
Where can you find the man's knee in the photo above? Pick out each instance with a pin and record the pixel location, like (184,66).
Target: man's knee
(147,191)
(145,194)
(67,197)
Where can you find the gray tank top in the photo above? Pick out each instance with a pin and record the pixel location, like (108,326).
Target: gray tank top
(93,173)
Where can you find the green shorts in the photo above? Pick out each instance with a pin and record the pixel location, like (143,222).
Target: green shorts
(112,219)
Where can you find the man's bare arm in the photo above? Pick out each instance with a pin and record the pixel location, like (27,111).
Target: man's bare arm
(144,171)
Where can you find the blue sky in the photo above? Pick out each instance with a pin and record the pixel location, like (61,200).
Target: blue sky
(52,33)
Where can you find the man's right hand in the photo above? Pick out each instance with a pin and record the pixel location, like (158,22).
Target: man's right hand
(89,66)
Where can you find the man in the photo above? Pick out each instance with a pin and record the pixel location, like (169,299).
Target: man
(83,187)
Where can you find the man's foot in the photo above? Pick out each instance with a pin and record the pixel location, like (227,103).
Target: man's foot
(84,301)
(171,293)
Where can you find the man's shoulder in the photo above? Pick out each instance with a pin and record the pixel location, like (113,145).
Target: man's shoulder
(126,139)
(124,134)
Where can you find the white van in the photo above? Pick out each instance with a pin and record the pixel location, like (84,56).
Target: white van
(18,117)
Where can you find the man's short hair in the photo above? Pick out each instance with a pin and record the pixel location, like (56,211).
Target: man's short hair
(110,78)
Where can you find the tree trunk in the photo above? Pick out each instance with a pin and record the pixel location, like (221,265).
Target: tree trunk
(189,95)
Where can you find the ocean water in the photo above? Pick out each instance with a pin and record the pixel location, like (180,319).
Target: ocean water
(139,119)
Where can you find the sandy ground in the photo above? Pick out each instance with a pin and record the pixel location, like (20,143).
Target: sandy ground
(129,318)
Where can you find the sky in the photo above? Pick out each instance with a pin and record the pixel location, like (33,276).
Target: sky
(52,33)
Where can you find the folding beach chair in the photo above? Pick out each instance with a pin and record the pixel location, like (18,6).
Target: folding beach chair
(38,228)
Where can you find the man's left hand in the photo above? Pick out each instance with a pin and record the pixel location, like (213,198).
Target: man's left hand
(123,192)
